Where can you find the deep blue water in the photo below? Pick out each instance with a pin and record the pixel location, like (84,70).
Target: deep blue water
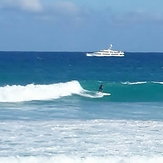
(48,67)
(138,76)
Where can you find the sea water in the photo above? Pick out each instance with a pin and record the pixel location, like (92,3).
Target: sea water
(50,110)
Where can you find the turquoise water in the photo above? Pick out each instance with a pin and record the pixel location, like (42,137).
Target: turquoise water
(50,110)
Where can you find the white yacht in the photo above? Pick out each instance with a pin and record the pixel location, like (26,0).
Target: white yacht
(106,53)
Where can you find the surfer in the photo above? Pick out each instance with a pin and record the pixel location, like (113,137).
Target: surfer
(101,88)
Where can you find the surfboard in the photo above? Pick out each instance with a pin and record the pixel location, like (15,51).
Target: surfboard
(94,94)
(104,93)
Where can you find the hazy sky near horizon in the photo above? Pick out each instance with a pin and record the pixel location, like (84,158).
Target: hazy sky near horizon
(81,25)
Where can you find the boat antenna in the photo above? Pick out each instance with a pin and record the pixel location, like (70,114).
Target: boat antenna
(111,46)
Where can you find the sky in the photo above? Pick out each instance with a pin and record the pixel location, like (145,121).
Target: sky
(81,25)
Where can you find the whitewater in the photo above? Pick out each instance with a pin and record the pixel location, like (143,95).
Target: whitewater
(51,110)
(82,141)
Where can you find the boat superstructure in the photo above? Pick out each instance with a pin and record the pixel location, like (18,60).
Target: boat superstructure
(107,53)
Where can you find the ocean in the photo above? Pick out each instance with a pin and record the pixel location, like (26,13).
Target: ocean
(51,111)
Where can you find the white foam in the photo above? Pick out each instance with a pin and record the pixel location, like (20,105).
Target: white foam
(74,159)
(83,139)
(18,93)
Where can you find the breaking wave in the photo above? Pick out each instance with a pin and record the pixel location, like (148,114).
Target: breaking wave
(31,92)
(120,91)
(18,93)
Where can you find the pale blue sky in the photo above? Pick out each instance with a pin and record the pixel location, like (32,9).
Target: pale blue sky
(81,25)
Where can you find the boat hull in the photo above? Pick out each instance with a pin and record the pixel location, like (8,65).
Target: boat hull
(104,55)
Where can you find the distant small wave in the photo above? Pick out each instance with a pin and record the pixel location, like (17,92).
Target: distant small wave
(141,82)
(157,82)
(134,83)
